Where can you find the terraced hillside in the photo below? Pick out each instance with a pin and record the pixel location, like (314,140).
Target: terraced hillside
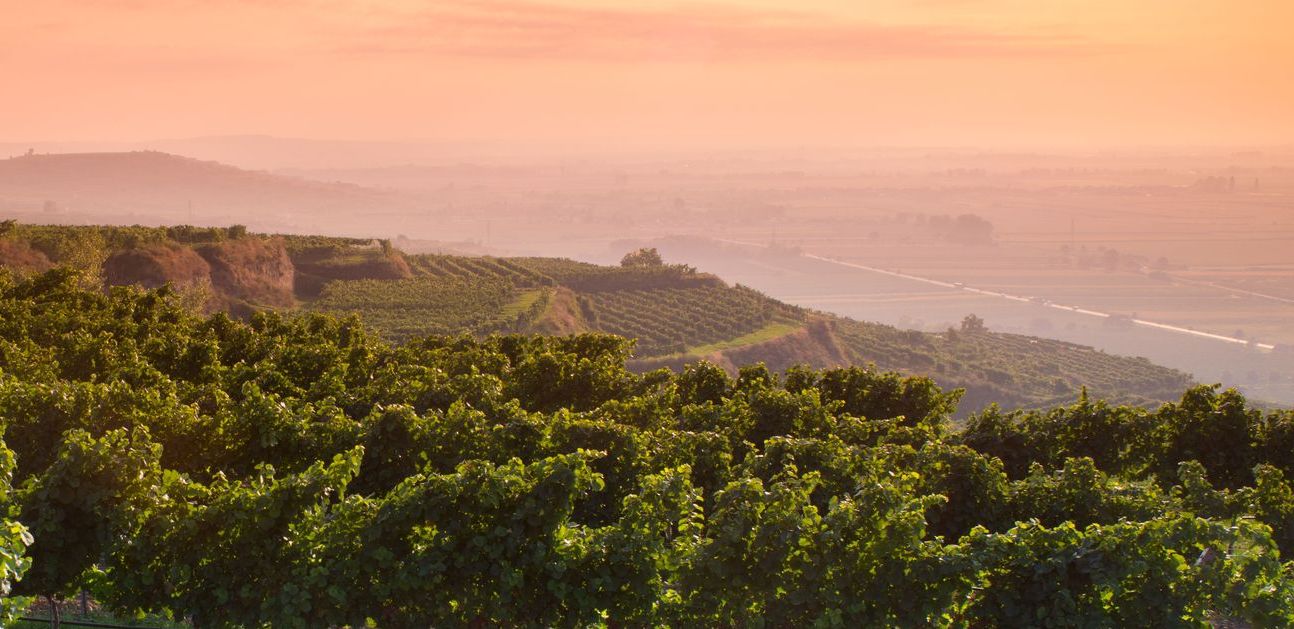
(683,320)
(676,314)
(472,268)
(422,306)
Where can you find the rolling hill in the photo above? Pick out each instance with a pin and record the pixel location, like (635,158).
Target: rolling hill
(676,314)
(161,188)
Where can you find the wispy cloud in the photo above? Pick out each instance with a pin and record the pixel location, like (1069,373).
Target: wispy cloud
(518,29)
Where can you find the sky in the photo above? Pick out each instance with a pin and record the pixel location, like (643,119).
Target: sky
(651,74)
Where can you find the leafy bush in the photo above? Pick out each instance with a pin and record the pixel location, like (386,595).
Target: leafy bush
(298,471)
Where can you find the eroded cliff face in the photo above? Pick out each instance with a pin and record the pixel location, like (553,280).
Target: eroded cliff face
(253,271)
(22,258)
(153,266)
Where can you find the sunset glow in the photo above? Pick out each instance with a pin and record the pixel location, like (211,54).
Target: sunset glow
(644,74)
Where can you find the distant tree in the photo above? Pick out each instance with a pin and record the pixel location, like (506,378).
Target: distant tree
(237,231)
(1110,259)
(966,229)
(647,256)
(972,324)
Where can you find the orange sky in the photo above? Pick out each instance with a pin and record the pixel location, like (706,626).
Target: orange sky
(574,74)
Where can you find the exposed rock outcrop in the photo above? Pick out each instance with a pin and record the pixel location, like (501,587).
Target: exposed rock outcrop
(255,271)
(152,266)
(21,257)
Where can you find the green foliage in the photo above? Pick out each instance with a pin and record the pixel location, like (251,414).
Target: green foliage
(1161,573)
(1081,494)
(297,471)
(84,504)
(1216,429)
(1109,435)
(973,485)
(877,395)
(1271,501)
(221,553)
(15,539)
(703,382)
(647,256)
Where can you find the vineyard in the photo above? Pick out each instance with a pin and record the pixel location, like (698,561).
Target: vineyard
(674,313)
(405,309)
(558,268)
(591,278)
(301,472)
(673,320)
(668,310)
(469,268)
(1010,369)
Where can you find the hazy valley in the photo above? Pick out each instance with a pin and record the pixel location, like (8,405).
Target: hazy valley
(1193,240)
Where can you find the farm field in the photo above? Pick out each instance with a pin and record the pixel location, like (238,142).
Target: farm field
(1162,299)
(1170,254)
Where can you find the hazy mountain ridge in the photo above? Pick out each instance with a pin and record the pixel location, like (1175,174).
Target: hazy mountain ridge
(153,186)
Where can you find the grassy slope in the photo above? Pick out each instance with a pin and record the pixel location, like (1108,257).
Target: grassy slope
(523,302)
(769,332)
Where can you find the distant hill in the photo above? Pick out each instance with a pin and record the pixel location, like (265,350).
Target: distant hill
(676,314)
(263,152)
(155,187)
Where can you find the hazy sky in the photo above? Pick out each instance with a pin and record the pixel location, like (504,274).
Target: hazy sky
(654,74)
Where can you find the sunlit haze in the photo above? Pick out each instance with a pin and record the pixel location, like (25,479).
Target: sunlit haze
(613,75)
